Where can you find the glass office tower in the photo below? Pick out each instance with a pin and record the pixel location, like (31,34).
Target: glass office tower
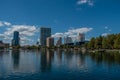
(16,39)
(44,34)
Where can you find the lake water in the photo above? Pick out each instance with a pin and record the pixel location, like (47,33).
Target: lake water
(58,65)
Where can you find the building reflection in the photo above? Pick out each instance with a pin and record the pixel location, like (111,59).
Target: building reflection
(15,58)
(68,59)
(80,59)
(59,56)
(1,54)
(74,59)
(46,60)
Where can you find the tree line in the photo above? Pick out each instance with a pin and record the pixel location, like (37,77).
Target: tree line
(111,41)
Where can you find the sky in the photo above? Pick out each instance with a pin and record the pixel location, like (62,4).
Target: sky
(64,17)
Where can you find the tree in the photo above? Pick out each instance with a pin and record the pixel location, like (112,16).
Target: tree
(117,42)
(98,42)
(104,43)
(91,43)
(110,40)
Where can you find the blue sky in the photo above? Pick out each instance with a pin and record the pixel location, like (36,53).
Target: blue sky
(94,17)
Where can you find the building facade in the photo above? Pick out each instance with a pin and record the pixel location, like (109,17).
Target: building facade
(4,45)
(44,34)
(59,41)
(16,39)
(67,40)
(50,42)
(81,37)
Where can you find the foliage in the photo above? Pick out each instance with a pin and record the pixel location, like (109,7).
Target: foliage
(111,41)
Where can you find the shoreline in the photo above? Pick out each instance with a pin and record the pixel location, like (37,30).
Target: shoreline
(75,49)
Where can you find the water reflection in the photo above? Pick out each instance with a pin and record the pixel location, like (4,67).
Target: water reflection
(107,58)
(1,54)
(58,64)
(80,59)
(59,56)
(46,60)
(16,58)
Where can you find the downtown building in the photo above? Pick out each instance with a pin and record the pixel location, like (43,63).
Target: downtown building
(44,34)
(81,37)
(16,39)
(3,45)
(50,41)
(59,42)
(68,40)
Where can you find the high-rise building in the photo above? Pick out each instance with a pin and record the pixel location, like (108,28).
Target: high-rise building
(50,41)
(59,41)
(16,39)
(81,37)
(44,34)
(4,45)
(67,40)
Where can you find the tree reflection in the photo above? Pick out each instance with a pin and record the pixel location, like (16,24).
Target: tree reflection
(108,57)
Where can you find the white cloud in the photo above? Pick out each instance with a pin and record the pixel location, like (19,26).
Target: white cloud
(73,32)
(57,35)
(24,30)
(1,24)
(106,27)
(105,34)
(1,35)
(80,30)
(25,40)
(4,23)
(88,2)
(82,2)
(7,23)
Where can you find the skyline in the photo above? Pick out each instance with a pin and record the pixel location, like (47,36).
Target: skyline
(93,17)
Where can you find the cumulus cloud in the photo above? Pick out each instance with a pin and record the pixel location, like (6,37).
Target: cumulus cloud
(7,23)
(25,40)
(1,35)
(72,32)
(105,34)
(80,30)
(4,23)
(57,35)
(26,32)
(88,2)
(1,24)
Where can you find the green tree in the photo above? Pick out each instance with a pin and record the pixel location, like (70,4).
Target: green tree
(110,40)
(104,43)
(98,42)
(117,42)
(91,43)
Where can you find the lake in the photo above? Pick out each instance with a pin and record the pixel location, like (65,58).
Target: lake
(58,65)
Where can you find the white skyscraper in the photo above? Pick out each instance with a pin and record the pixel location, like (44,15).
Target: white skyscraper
(81,37)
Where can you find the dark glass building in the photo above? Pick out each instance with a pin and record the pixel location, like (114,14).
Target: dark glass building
(16,39)
(44,34)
